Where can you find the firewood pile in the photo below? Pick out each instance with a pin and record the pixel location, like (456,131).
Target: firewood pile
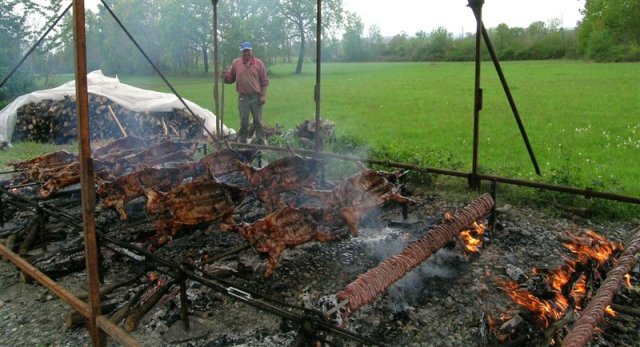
(54,121)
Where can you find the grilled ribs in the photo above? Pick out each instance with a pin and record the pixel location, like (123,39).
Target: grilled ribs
(280,230)
(220,162)
(52,180)
(119,148)
(359,194)
(35,166)
(151,155)
(282,175)
(190,204)
(115,194)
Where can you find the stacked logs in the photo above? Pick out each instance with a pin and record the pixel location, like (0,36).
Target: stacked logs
(54,121)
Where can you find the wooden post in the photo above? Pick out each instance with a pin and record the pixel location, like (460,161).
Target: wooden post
(87,188)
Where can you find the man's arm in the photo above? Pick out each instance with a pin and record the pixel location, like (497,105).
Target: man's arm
(230,76)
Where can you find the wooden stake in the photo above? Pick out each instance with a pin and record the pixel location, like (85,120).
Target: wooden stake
(115,118)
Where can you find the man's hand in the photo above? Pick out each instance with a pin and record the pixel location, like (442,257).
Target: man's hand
(263,99)
(224,74)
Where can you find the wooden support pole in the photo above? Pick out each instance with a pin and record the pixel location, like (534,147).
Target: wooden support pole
(86,172)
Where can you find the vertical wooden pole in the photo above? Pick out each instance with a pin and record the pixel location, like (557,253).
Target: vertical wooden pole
(86,172)
(318,71)
(216,71)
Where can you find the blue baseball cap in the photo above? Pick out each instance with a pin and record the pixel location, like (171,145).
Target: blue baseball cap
(245,45)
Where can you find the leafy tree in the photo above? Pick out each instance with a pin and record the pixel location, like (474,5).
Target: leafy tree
(375,42)
(301,19)
(186,27)
(610,30)
(353,43)
(16,36)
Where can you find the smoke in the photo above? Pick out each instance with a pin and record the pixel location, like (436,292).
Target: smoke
(386,242)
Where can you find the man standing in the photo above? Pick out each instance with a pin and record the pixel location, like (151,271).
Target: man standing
(250,76)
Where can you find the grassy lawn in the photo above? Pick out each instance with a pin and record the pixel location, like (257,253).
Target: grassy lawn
(582,119)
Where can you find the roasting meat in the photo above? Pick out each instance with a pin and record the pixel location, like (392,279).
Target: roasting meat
(52,180)
(48,160)
(190,204)
(182,156)
(287,227)
(359,194)
(220,162)
(151,155)
(119,148)
(282,175)
(34,166)
(117,193)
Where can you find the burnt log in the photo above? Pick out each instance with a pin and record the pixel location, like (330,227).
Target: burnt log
(134,318)
(583,328)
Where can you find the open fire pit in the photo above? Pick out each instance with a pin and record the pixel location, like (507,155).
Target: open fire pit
(278,256)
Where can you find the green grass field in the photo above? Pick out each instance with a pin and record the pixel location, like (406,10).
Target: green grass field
(582,119)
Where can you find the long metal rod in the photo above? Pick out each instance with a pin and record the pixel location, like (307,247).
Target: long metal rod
(86,173)
(476,5)
(318,71)
(33,48)
(589,193)
(155,68)
(507,91)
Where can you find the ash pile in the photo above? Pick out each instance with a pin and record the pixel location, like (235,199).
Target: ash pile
(275,254)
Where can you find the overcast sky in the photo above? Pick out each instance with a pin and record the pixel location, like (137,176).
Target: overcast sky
(411,16)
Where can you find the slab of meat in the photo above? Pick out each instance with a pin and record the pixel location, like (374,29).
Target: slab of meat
(182,156)
(48,160)
(221,162)
(282,175)
(190,204)
(115,194)
(34,166)
(359,194)
(119,148)
(52,180)
(151,154)
(287,227)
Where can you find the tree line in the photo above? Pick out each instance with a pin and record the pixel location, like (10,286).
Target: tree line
(178,37)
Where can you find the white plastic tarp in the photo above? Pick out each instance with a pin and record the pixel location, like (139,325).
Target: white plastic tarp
(132,98)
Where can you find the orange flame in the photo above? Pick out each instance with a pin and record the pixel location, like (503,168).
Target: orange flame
(579,290)
(608,310)
(472,238)
(627,278)
(592,248)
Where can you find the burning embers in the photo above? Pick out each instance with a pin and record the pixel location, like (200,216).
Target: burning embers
(551,295)
(370,284)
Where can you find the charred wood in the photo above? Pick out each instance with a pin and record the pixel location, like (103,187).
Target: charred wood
(134,318)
